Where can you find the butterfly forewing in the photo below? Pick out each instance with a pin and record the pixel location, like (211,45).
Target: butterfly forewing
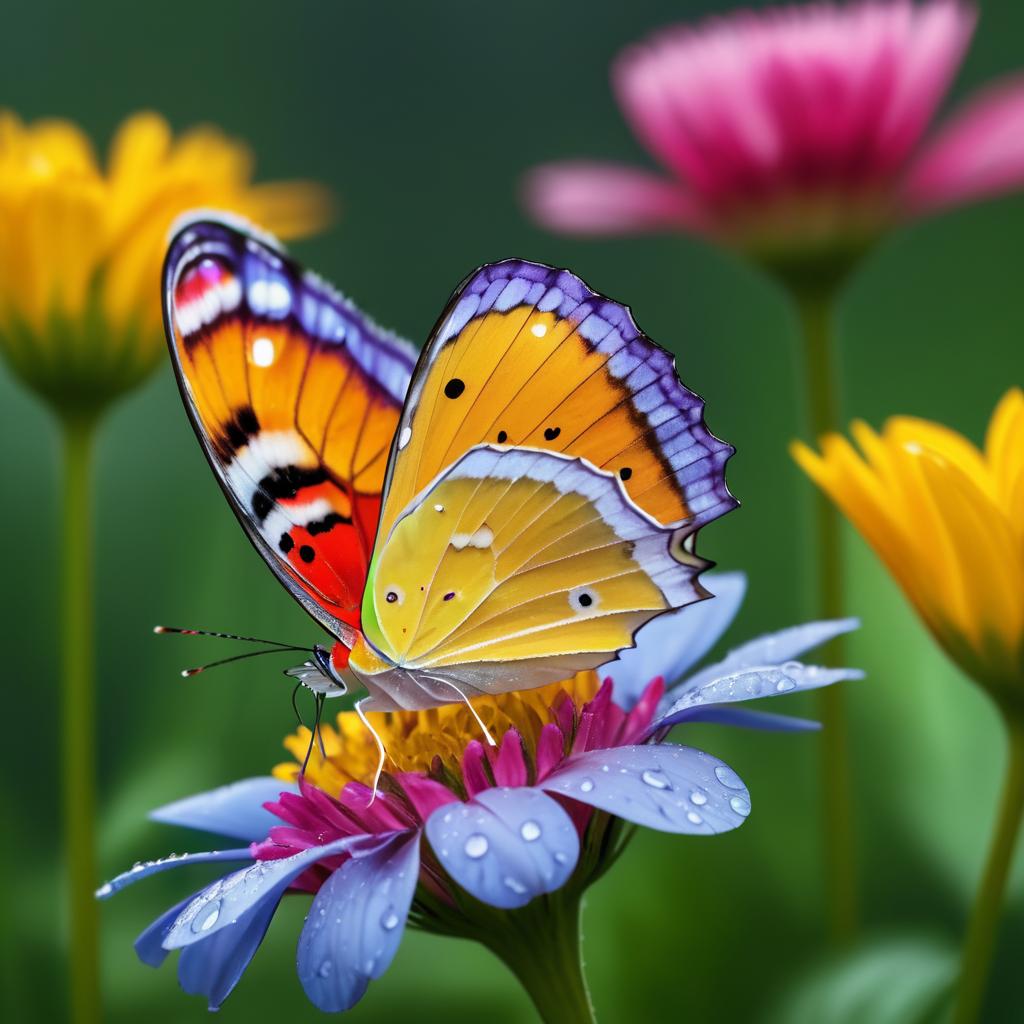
(295,396)
(530,356)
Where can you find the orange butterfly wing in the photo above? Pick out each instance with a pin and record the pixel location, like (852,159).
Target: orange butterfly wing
(529,356)
(295,397)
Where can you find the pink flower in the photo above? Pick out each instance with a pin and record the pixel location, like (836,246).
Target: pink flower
(794,129)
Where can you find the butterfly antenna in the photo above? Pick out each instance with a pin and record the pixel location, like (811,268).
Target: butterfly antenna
(357,707)
(472,710)
(161,630)
(189,672)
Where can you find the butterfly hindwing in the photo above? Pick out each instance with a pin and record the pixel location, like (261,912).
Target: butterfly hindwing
(295,396)
(518,558)
(529,356)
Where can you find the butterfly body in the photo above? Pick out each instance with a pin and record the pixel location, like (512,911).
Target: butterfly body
(502,512)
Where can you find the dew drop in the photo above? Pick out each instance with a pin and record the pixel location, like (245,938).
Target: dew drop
(476,846)
(587,786)
(207,918)
(530,831)
(562,858)
(740,806)
(698,798)
(389,922)
(104,890)
(325,969)
(515,885)
(784,684)
(694,818)
(655,778)
(727,777)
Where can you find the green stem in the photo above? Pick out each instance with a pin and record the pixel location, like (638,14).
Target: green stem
(822,389)
(78,726)
(540,944)
(984,924)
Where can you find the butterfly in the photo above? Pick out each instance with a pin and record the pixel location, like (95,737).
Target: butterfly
(503,510)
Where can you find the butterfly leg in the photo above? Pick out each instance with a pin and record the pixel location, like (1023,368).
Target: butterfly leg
(472,710)
(357,707)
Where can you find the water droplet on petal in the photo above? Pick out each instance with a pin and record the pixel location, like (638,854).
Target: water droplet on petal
(784,684)
(694,818)
(698,798)
(727,777)
(325,968)
(104,890)
(792,666)
(206,917)
(655,778)
(515,885)
(530,831)
(587,786)
(740,806)
(389,922)
(476,846)
(562,858)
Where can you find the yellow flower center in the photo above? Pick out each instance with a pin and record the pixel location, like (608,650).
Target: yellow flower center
(414,738)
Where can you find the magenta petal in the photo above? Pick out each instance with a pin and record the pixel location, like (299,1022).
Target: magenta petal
(550,750)
(510,766)
(978,153)
(608,199)
(474,772)
(640,717)
(425,794)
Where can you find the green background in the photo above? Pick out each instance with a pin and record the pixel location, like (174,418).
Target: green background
(422,117)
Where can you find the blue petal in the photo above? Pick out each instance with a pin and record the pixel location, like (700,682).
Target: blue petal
(660,785)
(744,718)
(505,846)
(751,684)
(235,810)
(213,968)
(149,946)
(770,650)
(670,644)
(263,883)
(175,860)
(356,923)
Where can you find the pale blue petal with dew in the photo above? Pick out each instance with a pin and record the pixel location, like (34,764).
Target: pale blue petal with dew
(505,846)
(659,785)
(356,923)
(223,903)
(749,684)
(771,650)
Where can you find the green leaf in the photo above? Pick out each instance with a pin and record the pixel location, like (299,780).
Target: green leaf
(892,980)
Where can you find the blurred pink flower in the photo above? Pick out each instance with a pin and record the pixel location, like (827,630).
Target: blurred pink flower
(795,129)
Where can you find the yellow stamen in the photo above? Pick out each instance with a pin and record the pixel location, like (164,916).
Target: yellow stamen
(414,738)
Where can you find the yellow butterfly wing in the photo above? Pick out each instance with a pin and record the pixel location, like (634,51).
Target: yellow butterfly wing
(545,487)
(521,566)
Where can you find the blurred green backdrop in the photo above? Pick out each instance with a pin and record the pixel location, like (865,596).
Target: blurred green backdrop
(422,117)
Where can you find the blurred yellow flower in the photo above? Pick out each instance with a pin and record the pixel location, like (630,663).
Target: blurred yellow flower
(81,246)
(948,521)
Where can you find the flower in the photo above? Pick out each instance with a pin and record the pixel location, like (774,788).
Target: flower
(462,833)
(81,246)
(794,133)
(948,521)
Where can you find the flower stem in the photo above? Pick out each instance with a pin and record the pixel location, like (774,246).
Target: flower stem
(540,944)
(78,726)
(984,924)
(815,306)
